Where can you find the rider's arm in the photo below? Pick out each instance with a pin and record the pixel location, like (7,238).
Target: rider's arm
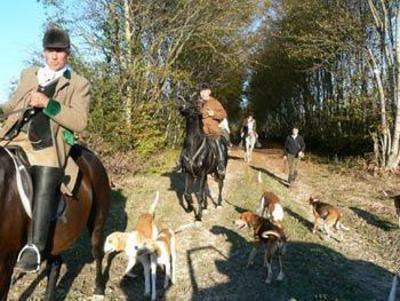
(219,111)
(75,115)
(8,106)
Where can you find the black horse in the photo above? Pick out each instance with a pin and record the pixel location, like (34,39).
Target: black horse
(199,158)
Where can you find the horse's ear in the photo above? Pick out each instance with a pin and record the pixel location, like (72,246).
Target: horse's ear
(180,100)
(192,96)
(181,103)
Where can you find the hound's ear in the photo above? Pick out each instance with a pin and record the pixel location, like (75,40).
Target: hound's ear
(252,219)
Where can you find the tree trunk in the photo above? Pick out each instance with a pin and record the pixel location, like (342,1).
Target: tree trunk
(395,156)
(128,64)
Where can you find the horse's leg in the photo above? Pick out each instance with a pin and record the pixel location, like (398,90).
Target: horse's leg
(7,262)
(188,190)
(252,143)
(53,271)
(203,188)
(95,227)
(206,193)
(200,195)
(251,150)
(220,188)
(246,150)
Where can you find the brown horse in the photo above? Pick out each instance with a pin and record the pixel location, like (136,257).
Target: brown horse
(87,208)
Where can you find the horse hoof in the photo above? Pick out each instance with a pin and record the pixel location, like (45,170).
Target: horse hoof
(98,297)
(268,281)
(280,277)
(198,223)
(205,211)
(219,207)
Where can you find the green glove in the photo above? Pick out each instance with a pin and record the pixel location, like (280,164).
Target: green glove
(69,137)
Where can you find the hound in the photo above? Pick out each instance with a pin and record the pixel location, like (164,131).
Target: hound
(326,215)
(272,235)
(162,252)
(270,207)
(132,242)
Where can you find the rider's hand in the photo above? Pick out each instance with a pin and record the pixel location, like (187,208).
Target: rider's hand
(210,112)
(39,100)
(284,157)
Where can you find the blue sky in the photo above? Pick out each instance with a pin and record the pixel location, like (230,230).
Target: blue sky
(21,30)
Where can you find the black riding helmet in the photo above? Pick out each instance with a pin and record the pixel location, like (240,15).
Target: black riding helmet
(56,38)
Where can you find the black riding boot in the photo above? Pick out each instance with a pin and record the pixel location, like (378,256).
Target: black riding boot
(46,182)
(220,157)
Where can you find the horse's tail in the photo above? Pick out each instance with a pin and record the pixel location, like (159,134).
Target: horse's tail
(153,206)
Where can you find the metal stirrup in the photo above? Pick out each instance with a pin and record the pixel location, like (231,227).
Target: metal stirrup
(36,250)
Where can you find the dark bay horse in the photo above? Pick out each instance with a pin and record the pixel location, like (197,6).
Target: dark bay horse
(199,159)
(87,208)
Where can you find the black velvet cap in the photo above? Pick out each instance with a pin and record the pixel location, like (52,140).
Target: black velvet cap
(56,38)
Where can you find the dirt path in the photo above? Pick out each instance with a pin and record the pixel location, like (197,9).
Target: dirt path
(212,257)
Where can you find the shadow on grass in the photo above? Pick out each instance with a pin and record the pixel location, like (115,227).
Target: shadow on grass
(237,208)
(306,223)
(177,184)
(235,158)
(271,174)
(313,272)
(374,220)
(31,288)
(133,288)
(80,255)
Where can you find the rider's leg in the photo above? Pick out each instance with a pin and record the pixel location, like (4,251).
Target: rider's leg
(220,155)
(46,178)
(46,181)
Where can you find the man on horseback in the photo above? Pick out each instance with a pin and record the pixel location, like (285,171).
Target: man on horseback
(213,113)
(58,100)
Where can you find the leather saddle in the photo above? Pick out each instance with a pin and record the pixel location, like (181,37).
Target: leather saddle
(23,168)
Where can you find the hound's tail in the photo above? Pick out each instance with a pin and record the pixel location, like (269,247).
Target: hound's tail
(153,206)
(183,228)
(266,234)
(259,177)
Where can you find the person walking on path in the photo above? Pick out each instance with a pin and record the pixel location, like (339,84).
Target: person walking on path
(294,150)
